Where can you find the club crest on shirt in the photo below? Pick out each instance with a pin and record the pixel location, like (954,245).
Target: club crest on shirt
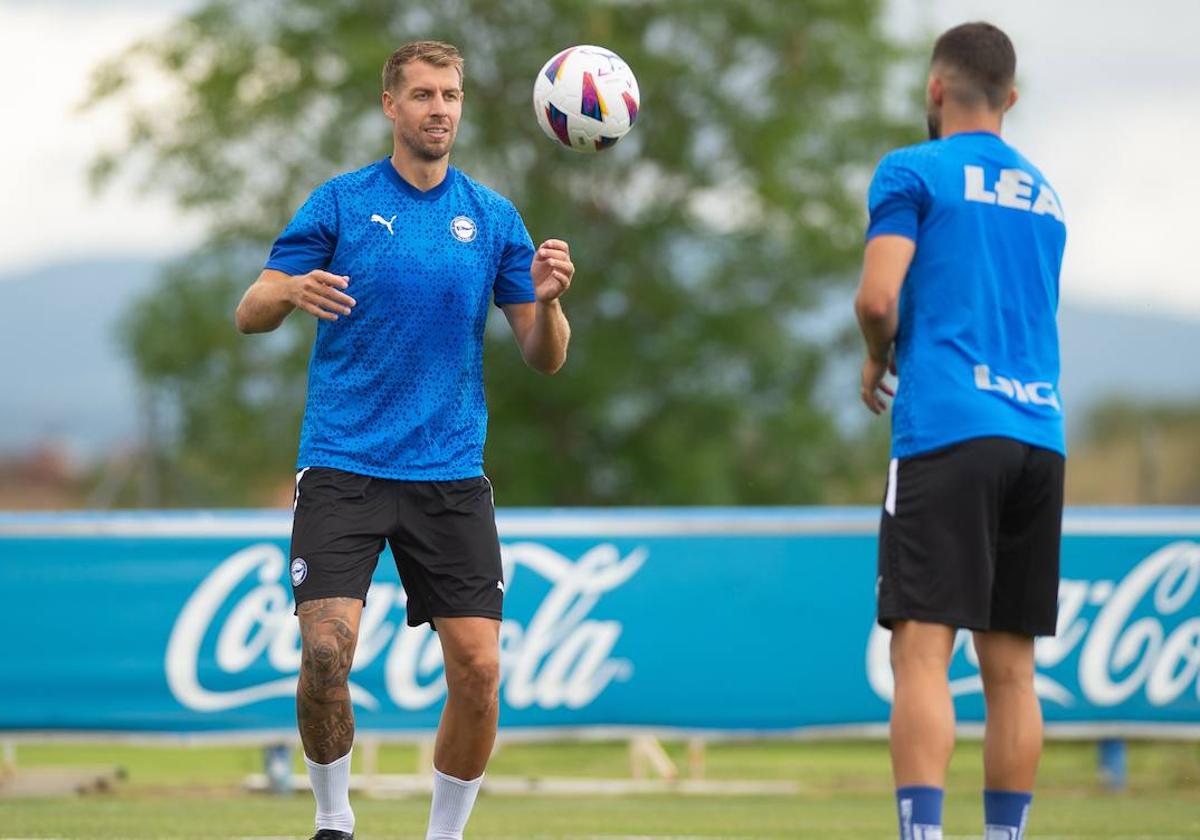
(463,228)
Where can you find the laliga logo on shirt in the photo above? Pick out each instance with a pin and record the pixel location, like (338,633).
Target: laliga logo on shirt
(560,659)
(1125,648)
(1034,393)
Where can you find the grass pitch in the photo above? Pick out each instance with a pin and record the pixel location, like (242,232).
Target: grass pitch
(173,792)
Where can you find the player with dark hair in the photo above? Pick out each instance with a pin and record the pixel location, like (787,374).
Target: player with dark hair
(400,262)
(958,297)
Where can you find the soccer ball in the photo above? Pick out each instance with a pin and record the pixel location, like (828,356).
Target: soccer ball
(586,98)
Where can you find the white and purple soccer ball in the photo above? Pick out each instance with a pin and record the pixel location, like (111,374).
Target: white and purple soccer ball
(586,98)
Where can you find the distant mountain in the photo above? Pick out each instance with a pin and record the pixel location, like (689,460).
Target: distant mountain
(62,374)
(1137,355)
(63,377)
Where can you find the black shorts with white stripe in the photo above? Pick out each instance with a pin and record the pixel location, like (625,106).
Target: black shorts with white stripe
(970,537)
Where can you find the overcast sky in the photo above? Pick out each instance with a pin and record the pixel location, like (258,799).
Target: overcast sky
(1109,110)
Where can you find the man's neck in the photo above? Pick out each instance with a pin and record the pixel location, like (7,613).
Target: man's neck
(966,122)
(422,174)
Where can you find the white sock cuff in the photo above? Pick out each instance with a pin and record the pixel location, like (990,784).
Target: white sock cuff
(460,782)
(335,763)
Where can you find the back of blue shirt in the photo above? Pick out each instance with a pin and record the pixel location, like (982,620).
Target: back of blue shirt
(977,346)
(395,388)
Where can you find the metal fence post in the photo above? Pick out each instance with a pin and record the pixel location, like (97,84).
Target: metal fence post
(277,764)
(1114,766)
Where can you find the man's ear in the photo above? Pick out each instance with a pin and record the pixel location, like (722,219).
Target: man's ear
(936,90)
(1013,96)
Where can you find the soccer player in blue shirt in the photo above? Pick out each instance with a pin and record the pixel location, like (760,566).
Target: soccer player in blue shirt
(958,297)
(400,262)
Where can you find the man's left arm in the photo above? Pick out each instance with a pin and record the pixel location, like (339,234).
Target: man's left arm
(541,328)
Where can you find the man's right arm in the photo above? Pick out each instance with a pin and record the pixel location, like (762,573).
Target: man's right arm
(274,294)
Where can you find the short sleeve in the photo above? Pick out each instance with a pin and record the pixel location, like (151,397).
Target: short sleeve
(897,199)
(310,239)
(514,283)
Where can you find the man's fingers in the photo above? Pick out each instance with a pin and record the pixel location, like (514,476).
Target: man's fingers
(555,245)
(342,300)
(339,280)
(549,254)
(321,295)
(564,266)
(546,291)
(869,392)
(325,301)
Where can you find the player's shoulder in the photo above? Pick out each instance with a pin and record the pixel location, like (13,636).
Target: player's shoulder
(353,181)
(908,171)
(1026,165)
(918,157)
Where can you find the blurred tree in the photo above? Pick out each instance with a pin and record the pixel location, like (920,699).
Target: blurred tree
(707,242)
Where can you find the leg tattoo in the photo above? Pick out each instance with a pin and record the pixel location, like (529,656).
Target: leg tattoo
(329,630)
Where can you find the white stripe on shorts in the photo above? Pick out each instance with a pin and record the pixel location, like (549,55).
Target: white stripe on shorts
(296,498)
(889,501)
(491,492)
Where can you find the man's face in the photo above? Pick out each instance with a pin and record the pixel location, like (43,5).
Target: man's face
(426,108)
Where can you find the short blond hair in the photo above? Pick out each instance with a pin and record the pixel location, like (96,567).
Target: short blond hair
(437,53)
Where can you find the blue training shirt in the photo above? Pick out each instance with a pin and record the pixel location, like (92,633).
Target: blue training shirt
(977,346)
(395,388)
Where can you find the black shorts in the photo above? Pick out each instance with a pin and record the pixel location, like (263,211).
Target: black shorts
(970,537)
(442,535)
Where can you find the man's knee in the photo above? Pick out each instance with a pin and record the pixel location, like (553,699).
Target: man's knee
(1006,673)
(1005,660)
(922,647)
(325,666)
(328,633)
(474,679)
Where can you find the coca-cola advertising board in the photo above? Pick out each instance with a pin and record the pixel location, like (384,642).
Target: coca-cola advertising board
(724,621)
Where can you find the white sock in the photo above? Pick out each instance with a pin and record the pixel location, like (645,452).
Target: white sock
(331,787)
(452,802)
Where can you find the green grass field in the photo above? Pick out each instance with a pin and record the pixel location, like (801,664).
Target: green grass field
(175,792)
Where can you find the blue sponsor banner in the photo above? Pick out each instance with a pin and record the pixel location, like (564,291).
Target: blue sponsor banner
(745,620)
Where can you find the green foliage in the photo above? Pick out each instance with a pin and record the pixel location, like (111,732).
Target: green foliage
(703,242)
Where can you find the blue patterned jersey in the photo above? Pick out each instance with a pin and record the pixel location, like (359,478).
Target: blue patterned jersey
(395,388)
(977,346)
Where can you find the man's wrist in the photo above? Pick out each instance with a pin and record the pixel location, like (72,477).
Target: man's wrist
(878,356)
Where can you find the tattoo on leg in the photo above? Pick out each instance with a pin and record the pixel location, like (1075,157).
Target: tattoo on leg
(323,709)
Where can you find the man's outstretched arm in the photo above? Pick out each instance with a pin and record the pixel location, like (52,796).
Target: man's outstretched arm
(275,294)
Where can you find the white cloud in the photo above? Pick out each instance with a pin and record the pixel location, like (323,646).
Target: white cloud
(50,49)
(1130,205)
